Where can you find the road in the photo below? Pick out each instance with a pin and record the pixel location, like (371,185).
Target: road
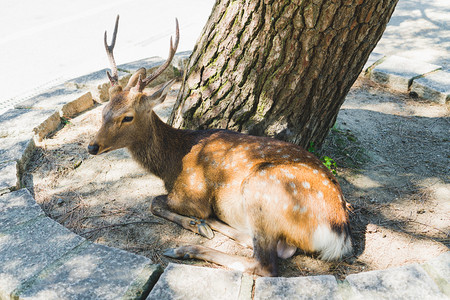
(43,43)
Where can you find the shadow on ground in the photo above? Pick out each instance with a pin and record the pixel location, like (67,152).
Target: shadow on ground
(392,157)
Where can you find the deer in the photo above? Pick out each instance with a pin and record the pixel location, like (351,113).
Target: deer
(266,194)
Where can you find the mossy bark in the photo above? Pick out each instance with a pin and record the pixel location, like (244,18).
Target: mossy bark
(278,68)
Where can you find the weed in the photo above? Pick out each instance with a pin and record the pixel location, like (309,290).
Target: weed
(344,147)
(65,121)
(326,160)
(329,163)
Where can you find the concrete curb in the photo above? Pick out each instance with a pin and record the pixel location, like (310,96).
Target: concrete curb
(39,258)
(418,79)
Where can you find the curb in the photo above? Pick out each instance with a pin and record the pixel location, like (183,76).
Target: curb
(418,79)
(39,258)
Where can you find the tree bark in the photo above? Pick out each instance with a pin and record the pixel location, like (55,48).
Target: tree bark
(278,68)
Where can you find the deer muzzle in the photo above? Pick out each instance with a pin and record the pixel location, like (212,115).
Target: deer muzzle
(93,149)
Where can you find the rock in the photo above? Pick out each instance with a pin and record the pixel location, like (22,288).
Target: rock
(189,282)
(311,287)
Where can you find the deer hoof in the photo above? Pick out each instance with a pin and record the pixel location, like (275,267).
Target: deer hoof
(202,228)
(171,252)
(205,230)
(177,253)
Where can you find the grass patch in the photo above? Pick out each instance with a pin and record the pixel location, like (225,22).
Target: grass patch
(342,148)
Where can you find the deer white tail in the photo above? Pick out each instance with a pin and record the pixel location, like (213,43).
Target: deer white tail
(330,244)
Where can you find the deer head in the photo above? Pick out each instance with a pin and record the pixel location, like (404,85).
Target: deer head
(129,108)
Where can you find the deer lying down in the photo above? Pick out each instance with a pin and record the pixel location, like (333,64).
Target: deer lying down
(267,194)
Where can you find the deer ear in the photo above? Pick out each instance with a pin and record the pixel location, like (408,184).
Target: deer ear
(133,79)
(160,95)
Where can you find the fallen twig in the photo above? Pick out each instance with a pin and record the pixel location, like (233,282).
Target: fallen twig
(120,224)
(432,227)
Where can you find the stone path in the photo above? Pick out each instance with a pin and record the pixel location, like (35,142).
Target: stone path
(40,259)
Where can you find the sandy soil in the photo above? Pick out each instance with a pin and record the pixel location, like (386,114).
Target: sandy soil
(392,156)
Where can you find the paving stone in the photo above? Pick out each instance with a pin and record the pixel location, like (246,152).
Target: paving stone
(246,287)
(97,78)
(77,105)
(8,176)
(91,80)
(47,126)
(311,287)
(97,82)
(407,282)
(147,63)
(16,122)
(398,72)
(17,208)
(434,86)
(27,250)
(439,269)
(52,99)
(190,282)
(94,272)
(17,149)
(71,108)
(49,106)
(373,58)
(181,60)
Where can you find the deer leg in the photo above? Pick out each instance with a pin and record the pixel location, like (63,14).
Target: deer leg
(160,208)
(240,237)
(240,263)
(263,262)
(265,252)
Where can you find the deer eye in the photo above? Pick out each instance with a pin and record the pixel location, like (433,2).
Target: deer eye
(127,119)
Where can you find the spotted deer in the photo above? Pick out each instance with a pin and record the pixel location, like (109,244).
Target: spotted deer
(270,195)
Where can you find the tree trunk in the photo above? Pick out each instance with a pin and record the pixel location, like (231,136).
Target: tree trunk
(278,68)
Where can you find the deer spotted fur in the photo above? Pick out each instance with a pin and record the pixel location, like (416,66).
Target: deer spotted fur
(270,195)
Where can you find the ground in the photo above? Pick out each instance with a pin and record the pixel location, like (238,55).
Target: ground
(392,155)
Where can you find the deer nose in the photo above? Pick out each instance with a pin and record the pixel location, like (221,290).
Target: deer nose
(93,149)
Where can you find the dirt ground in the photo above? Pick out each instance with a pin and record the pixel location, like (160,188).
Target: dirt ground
(392,154)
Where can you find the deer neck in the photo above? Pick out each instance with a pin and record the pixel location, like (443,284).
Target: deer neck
(161,148)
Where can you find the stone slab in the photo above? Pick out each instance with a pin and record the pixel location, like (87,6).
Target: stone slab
(17,149)
(97,82)
(434,86)
(398,72)
(17,208)
(29,249)
(46,127)
(373,58)
(91,80)
(407,282)
(8,176)
(147,63)
(181,60)
(99,77)
(16,122)
(52,99)
(311,287)
(77,105)
(95,272)
(190,282)
(439,269)
(246,291)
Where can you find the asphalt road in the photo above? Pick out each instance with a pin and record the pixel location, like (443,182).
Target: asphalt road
(43,43)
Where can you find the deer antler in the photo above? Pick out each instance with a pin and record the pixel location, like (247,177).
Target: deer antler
(114,78)
(142,83)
